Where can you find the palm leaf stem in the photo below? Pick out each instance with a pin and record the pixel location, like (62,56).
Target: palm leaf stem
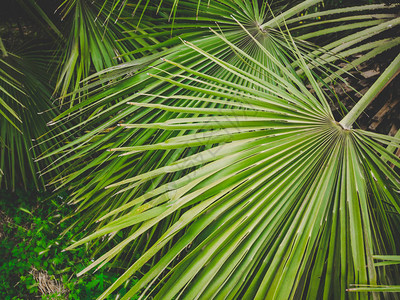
(387,76)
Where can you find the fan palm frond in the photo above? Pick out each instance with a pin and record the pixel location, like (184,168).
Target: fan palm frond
(95,42)
(107,111)
(7,83)
(91,168)
(25,88)
(281,202)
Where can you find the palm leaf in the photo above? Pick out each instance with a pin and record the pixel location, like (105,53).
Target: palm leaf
(94,109)
(25,88)
(91,168)
(280,208)
(94,43)
(7,83)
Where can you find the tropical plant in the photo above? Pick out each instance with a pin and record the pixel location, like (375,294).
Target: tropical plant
(26,87)
(26,93)
(106,107)
(230,154)
(227,171)
(288,204)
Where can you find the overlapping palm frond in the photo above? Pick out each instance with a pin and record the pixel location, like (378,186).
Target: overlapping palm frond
(26,64)
(8,82)
(26,89)
(221,145)
(92,45)
(278,201)
(106,107)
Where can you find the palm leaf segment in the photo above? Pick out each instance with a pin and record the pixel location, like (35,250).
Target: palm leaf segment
(284,203)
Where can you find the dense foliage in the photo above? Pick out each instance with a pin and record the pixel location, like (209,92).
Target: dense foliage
(31,240)
(203,145)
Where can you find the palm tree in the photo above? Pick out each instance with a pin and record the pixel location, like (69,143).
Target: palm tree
(290,205)
(226,171)
(26,86)
(106,108)
(25,92)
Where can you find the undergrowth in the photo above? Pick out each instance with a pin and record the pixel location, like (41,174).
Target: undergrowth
(30,239)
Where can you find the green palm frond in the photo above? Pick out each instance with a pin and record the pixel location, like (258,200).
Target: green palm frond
(198,142)
(90,168)
(90,194)
(24,86)
(7,82)
(387,260)
(222,145)
(95,42)
(237,37)
(277,201)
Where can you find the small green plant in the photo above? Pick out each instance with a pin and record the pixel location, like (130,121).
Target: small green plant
(31,240)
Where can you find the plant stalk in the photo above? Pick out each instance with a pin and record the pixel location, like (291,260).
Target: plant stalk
(386,77)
